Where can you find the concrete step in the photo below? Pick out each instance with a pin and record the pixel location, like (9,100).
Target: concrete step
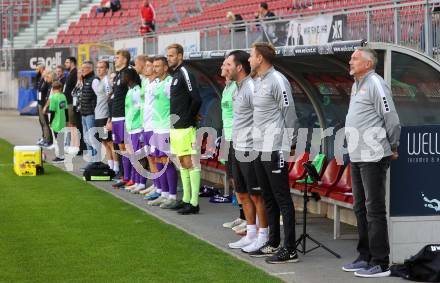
(71,14)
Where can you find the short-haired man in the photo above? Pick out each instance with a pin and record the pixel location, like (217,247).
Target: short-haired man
(263,15)
(120,89)
(139,64)
(60,74)
(160,140)
(102,87)
(148,82)
(71,80)
(263,11)
(274,123)
(185,104)
(371,112)
(74,116)
(88,104)
(246,186)
(226,150)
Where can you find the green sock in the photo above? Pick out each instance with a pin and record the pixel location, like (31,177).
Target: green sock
(186,183)
(194,175)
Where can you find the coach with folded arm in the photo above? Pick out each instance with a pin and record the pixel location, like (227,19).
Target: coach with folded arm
(373,132)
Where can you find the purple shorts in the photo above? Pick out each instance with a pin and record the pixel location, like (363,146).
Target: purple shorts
(147,142)
(147,138)
(118,129)
(161,144)
(136,140)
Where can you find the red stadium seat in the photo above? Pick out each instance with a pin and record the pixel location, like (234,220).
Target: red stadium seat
(50,42)
(328,179)
(59,41)
(134,13)
(342,189)
(298,170)
(117,14)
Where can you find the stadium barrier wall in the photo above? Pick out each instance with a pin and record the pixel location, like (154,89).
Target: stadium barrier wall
(413,24)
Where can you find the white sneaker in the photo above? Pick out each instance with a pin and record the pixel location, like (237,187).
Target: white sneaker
(240,226)
(241,231)
(256,245)
(138,188)
(234,223)
(243,242)
(142,192)
(148,190)
(131,188)
(158,201)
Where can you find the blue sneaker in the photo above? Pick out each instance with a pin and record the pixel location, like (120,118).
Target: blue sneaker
(355,266)
(373,271)
(153,196)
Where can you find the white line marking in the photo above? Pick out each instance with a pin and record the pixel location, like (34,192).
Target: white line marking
(282,273)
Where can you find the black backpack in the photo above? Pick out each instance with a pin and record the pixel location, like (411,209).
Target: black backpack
(98,171)
(422,267)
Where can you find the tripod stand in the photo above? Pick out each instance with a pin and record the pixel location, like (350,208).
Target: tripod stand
(310,171)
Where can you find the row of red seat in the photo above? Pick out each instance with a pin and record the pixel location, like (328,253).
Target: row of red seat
(92,26)
(213,14)
(335,178)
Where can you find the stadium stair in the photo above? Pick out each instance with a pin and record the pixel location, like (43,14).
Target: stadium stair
(49,37)
(47,23)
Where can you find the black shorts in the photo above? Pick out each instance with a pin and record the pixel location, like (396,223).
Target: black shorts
(244,174)
(100,123)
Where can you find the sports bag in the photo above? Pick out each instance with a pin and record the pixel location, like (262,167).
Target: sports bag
(422,267)
(98,171)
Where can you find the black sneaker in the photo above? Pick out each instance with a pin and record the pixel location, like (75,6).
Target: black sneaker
(179,205)
(117,177)
(266,250)
(58,160)
(119,184)
(189,209)
(283,256)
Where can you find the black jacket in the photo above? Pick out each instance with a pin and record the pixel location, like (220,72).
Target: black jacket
(43,92)
(119,92)
(62,80)
(70,84)
(88,96)
(185,99)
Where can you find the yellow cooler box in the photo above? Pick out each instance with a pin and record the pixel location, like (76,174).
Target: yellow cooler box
(27,161)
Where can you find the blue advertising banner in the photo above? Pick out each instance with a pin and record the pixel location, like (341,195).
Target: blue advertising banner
(415,176)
